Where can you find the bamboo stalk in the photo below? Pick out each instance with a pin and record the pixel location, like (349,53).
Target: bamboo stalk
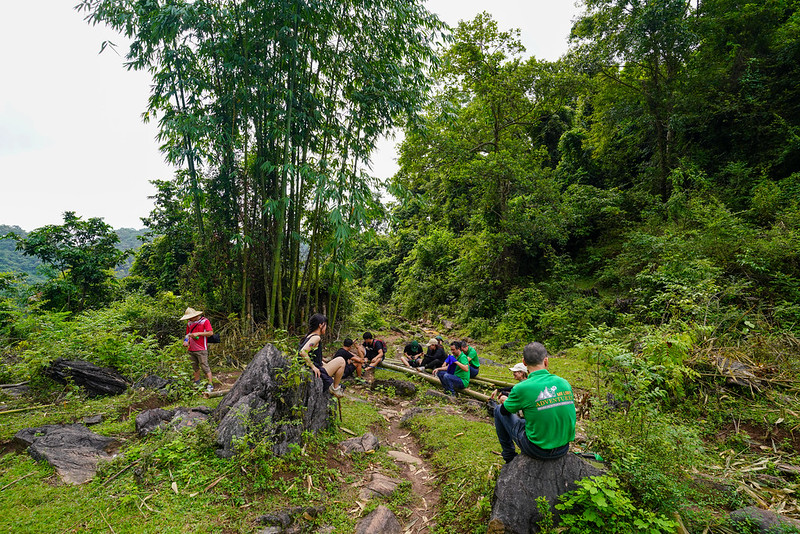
(477,380)
(432,379)
(29,408)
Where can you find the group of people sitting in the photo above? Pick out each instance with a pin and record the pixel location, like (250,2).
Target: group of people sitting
(350,359)
(454,367)
(537,414)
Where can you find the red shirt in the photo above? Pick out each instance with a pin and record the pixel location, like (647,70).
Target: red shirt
(201,325)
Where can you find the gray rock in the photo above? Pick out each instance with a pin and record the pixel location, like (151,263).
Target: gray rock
(284,519)
(520,482)
(92,420)
(149,420)
(380,521)
(73,450)
(95,380)
(154,382)
(379,485)
(367,442)
(262,406)
(402,388)
(765,521)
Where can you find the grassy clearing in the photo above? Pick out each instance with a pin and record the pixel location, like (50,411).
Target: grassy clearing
(213,495)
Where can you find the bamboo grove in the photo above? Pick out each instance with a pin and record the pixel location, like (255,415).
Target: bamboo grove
(270,110)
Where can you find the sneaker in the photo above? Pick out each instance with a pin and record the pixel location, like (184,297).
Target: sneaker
(337,391)
(196,382)
(209,388)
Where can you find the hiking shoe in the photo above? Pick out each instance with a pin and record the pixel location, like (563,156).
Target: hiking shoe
(209,388)
(196,382)
(338,391)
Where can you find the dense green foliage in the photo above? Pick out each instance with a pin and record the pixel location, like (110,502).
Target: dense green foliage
(541,199)
(272,110)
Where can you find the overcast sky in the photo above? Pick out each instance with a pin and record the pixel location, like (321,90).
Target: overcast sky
(71,134)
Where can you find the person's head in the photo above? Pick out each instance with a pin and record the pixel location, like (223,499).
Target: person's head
(520,372)
(433,343)
(191,314)
(318,321)
(415,345)
(455,348)
(464,346)
(347,343)
(534,355)
(368,338)
(440,341)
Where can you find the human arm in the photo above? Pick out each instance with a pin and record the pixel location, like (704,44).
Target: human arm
(310,344)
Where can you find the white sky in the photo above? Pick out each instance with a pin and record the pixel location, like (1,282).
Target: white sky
(71,134)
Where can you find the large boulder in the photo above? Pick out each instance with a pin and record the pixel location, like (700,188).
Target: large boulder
(754,519)
(73,450)
(270,402)
(95,380)
(523,480)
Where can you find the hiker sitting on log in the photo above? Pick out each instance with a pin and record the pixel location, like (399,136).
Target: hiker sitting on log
(412,354)
(546,401)
(353,357)
(472,358)
(434,357)
(374,351)
(520,373)
(331,372)
(454,373)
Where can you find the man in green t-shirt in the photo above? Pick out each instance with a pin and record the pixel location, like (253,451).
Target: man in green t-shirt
(472,358)
(546,402)
(454,373)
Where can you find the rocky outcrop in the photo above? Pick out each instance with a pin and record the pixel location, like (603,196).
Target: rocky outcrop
(73,450)
(95,380)
(270,401)
(525,479)
(380,521)
(764,521)
(161,385)
(367,442)
(150,420)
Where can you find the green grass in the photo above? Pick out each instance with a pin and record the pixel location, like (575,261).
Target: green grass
(462,450)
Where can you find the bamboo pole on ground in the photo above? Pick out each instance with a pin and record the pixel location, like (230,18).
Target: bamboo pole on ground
(490,382)
(432,379)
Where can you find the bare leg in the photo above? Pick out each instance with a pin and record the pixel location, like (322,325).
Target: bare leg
(335,368)
(405,361)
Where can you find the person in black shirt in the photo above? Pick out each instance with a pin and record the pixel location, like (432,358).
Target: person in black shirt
(310,351)
(374,351)
(353,360)
(412,354)
(435,356)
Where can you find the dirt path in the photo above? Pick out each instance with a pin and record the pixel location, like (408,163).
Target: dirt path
(425,492)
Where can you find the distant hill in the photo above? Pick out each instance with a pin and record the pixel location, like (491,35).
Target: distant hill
(13,261)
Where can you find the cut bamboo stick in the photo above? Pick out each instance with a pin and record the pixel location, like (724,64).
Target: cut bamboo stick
(432,379)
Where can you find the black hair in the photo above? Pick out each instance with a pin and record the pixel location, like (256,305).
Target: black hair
(367,335)
(464,345)
(347,342)
(315,321)
(534,353)
(456,344)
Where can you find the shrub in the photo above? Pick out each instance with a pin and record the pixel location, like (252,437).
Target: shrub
(601,506)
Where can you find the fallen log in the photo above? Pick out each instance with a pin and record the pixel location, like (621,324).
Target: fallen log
(432,379)
(488,382)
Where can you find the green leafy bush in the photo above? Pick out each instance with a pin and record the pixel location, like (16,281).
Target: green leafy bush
(600,505)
